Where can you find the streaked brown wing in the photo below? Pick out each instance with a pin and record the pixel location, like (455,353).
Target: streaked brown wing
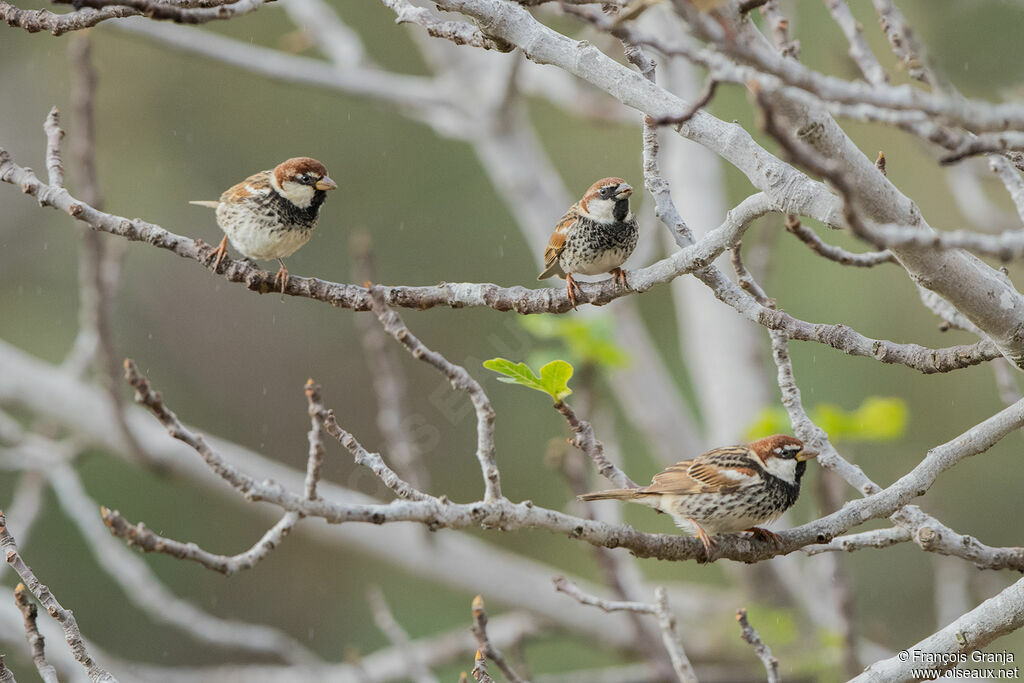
(719,470)
(557,242)
(257,183)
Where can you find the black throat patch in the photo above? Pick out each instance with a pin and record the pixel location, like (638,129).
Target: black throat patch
(621,209)
(295,217)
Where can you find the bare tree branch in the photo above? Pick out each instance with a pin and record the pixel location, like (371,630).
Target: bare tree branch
(479,672)
(993,618)
(485,646)
(834,253)
(138,536)
(659,609)
(879,538)
(34,20)
(178,14)
(35,640)
(750,636)
(53,608)
(693,258)
(594,449)
(859,52)
(460,380)
(389,383)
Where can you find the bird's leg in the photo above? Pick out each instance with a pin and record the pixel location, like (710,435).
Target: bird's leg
(709,543)
(221,249)
(619,275)
(765,535)
(571,285)
(282,275)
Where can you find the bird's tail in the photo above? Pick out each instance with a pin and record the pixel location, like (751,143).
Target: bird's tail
(203,202)
(614,494)
(552,270)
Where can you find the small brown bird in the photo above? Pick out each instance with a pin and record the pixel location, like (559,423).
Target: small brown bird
(271,214)
(727,489)
(596,235)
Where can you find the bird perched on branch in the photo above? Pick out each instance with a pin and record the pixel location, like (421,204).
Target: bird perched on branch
(727,489)
(596,235)
(271,214)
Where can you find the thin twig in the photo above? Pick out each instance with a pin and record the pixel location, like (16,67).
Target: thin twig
(779,25)
(139,536)
(479,672)
(594,449)
(460,380)
(860,52)
(148,593)
(879,538)
(389,383)
(1012,180)
(660,609)
(46,598)
(749,635)
(316,444)
(54,134)
(834,253)
(372,461)
(486,646)
(36,641)
(706,93)
(155,9)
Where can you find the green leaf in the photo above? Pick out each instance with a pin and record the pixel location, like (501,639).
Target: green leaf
(878,418)
(585,341)
(553,380)
(555,376)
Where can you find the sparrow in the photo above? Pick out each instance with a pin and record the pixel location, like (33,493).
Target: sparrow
(272,213)
(727,489)
(596,235)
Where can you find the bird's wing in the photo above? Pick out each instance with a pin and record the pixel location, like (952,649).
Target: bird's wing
(256,184)
(557,242)
(719,470)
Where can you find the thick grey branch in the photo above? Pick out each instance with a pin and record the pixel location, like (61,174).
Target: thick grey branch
(993,618)
(34,20)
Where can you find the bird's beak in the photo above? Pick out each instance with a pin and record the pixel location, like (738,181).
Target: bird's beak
(624,191)
(326,183)
(804,455)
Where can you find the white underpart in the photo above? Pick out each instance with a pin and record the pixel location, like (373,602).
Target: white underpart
(255,241)
(249,235)
(610,260)
(725,524)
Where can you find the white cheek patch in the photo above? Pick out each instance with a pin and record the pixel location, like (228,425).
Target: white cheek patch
(299,194)
(601,210)
(784,469)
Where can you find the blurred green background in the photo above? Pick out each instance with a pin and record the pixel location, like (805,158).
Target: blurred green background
(172,127)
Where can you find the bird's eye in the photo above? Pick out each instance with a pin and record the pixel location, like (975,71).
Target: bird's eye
(607,191)
(303,178)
